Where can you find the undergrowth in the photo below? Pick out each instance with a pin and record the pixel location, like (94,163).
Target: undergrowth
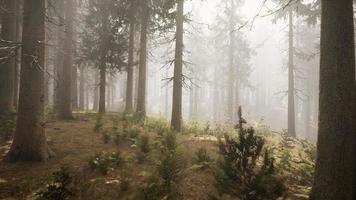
(57,187)
(105,161)
(238,171)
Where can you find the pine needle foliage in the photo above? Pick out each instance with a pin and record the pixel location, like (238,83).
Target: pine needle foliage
(245,169)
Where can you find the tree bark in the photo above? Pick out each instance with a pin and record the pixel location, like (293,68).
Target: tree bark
(7,67)
(141,93)
(102,88)
(29,142)
(335,169)
(58,71)
(65,107)
(19,6)
(74,86)
(291,103)
(96,91)
(129,83)
(166,97)
(82,87)
(176,121)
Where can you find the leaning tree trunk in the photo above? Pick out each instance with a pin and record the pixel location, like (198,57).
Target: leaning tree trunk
(176,121)
(65,107)
(335,169)
(29,142)
(141,93)
(291,103)
(7,66)
(129,82)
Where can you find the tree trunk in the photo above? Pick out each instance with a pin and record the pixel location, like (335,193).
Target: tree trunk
(108,93)
(129,83)
(102,88)
(166,97)
(74,80)
(216,94)
(96,92)
(19,6)
(87,99)
(176,121)
(231,71)
(291,103)
(7,67)
(58,72)
(30,140)
(141,93)
(82,87)
(46,75)
(191,103)
(65,107)
(74,87)
(335,169)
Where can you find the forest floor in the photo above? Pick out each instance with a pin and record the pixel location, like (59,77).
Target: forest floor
(76,144)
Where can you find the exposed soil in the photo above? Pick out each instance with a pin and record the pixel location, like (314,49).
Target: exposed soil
(74,142)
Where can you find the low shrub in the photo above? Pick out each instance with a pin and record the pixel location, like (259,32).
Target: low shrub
(102,162)
(106,136)
(169,141)
(115,124)
(202,158)
(150,189)
(144,143)
(193,128)
(160,126)
(238,172)
(98,124)
(125,180)
(140,156)
(57,187)
(163,183)
(132,132)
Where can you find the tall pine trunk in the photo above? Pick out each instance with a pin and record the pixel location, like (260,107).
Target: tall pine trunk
(74,85)
(102,67)
(65,106)
(82,87)
(102,89)
(141,93)
(291,103)
(29,142)
(166,97)
(130,66)
(58,71)
(176,121)
(19,6)
(335,169)
(96,92)
(231,71)
(191,103)
(7,66)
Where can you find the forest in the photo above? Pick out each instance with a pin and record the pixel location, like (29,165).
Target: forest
(177,100)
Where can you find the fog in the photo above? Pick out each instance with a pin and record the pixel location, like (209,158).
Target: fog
(264,98)
(177,99)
